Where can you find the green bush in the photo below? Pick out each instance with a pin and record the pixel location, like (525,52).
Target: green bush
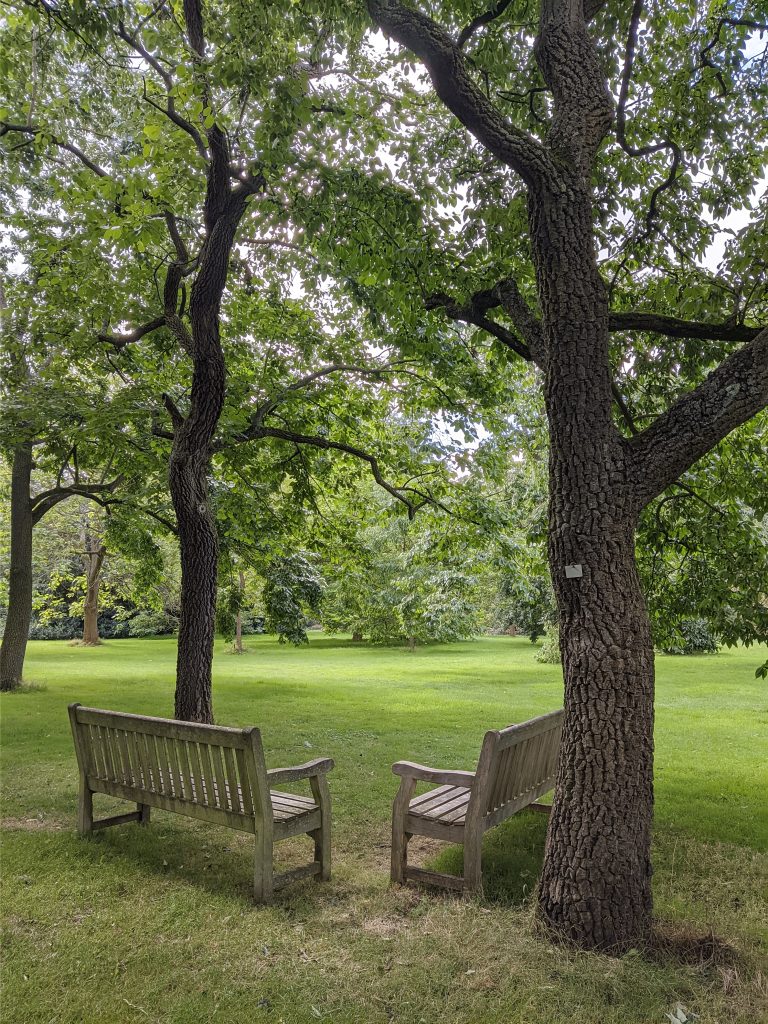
(152,623)
(549,652)
(694,636)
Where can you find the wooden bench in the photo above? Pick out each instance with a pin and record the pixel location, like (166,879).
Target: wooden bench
(204,771)
(516,766)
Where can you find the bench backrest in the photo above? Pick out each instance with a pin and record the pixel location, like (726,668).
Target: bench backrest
(205,771)
(517,765)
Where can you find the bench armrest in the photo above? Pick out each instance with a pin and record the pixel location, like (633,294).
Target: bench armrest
(319,766)
(441,777)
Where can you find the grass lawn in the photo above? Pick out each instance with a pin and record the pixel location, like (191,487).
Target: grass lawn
(156,924)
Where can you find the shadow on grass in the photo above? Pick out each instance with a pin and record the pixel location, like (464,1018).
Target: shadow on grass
(219,862)
(512,857)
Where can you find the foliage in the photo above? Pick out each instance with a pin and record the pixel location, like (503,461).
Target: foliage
(695,637)
(293,587)
(151,623)
(549,651)
(228,604)
(403,581)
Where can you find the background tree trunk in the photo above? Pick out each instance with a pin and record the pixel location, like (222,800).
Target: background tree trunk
(238,644)
(14,645)
(94,553)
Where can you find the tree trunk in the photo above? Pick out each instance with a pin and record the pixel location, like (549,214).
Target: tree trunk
(199,550)
(14,645)
(91,636)
(94,562)
(595,887)
(237,647)
(357,637)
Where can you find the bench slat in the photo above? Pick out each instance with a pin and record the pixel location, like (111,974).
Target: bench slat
(222,790)
(234,786)
(428,807)
(445,809)
(418,800)
(207,772)
(218,735)
(245,785)
(172,746)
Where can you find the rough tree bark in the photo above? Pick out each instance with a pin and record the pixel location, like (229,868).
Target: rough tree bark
(14,645)
(595,888)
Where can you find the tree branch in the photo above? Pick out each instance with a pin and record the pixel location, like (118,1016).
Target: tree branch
(731,394)
(169,110)
(453,84)
(121,340)
(325,443)
(706,60)
(263,410)
(474,314)
(504,293)
(45,500)
(25,129)
(482,19)
(621,120)
(673,327)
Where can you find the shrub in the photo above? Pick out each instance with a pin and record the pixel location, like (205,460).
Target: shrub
(549,652)
(694,636)
(152,623)
(64,628)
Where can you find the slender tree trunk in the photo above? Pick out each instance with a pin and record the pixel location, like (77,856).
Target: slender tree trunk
(238,644)
(357,637)
(96,553)
(595,887)
(14,645)
(91,636)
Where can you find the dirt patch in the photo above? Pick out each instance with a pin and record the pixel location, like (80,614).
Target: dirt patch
(384,927)
(420,849)
(704,951)
(31,825)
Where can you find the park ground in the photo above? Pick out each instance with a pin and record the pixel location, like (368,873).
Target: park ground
(156,925)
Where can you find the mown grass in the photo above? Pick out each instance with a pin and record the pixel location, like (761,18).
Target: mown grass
(156,924)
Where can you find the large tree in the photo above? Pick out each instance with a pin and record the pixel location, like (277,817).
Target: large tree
(596,78)
(192,136)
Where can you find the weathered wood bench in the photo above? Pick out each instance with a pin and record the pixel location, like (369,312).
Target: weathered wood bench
(517,765)
(204,771)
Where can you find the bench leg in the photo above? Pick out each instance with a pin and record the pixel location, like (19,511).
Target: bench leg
(143,810)
(322,835)
(84,808)
(400,837)
(473,867)
(263,879)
